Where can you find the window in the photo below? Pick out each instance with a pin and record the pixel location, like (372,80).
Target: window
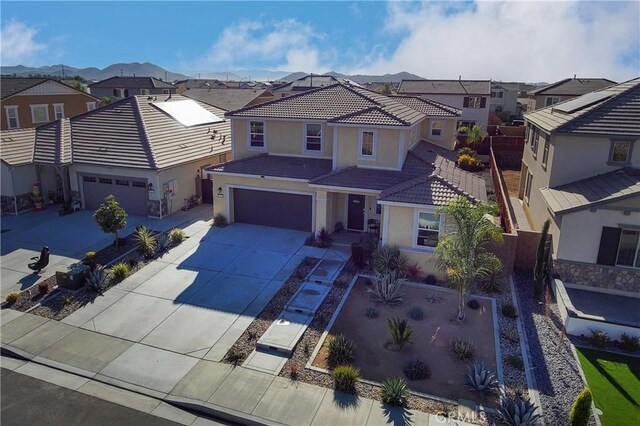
(256,134)
(367,144)
(122,182)
(39,113)
(551,100)
(545,153)
(464,123)
(105,180)
(12,116)
(378,208)
(428,229)
(527,187)
(138,184)
(629,249)
(496,94)
(474,102)
(620,152)
(144,91)
(89,179)
(436,128)
(165,91)
(120,93)
(58,111)
(534,142)
(91,106)
(222,158)
(498,109)
(313,137)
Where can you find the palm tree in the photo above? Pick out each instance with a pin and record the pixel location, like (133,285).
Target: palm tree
(475,135)
(461,252)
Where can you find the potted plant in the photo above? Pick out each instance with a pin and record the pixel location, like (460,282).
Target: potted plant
(36,197)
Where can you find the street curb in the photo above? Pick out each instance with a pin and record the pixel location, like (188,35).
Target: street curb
(218,411)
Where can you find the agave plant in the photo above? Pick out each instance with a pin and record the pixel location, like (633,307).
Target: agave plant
(517,411)
(96,280)
(400,331)
(387,259)
(341,350)
(162,242)
(395,391)
(480,377)
(145,241)
(386,288)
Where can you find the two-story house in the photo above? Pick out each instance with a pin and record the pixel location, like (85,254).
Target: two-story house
(470,96)
(308,82)
(345,157)
(32,102)
(230,99)
(122,87)
(563,90)
(581,169)
(504,99)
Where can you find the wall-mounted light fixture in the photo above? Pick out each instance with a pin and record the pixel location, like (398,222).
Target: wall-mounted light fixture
(150,186)
(220,194)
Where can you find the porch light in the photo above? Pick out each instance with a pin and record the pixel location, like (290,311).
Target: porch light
(150,186)
(220,194)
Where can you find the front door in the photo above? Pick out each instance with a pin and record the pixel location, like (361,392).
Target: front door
(207,191)
(355,219)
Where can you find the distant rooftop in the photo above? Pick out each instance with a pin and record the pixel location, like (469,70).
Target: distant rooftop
(127,82)
(445,87)
(573,87)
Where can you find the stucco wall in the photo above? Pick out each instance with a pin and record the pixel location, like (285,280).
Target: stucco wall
(388,148)
(535,207)
(449,131)
(185,176)
(74,104)
(22,177)
(480,115)
(5,180)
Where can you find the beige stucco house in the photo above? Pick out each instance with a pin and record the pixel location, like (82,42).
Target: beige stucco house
(345,157)
(564,90)
(581,169)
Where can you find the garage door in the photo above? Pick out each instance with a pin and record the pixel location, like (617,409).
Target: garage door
(278,209)
(131,193)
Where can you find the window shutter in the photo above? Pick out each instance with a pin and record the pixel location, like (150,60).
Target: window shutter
(466,102)
(609,241)
(483,102)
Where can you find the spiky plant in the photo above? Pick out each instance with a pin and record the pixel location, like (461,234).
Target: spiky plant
(517,411)
(416,313)
(162,242)
(493,279)
(341,350)
(395,391)
(480,377)
(145,241)
(120,270)
(323,239)
(177,235)
(400,330)
(371,312)
(96,280)
(462,349)
(345,377)
(417,370)
(386,288)
(387,259)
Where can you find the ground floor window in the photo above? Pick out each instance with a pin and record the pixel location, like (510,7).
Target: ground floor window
(629,249)
(428,229)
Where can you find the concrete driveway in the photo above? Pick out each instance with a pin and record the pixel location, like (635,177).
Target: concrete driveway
(68,237)
(201,296)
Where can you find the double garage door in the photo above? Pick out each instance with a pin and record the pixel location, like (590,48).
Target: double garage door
(131,193)
(278,209)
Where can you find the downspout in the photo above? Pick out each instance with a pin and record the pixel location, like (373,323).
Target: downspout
(13,191)
(158,189)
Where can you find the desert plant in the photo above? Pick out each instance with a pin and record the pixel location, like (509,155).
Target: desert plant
(90,259)
(509,311)
(43,287)
(462,349)
(400,330)
(96,280)
(145,241)
(512,335)
(517,411)
(220,220)
(473,304)
(629,343)
(234,356)
(389,259)
(461,252)
(414,271)
(341,350)
(310,240)
(132,262)
(386,288)
(540,271)
(417,370)
(162,242)
(12,297)
(371,312)
(345,377)
(323,239)
(581,409)
(177,235)
(120,270)
(306,349)
(342,281)
(430,279)
(416,313)
(515,361)
(480,377)
(599,339)
(493,279)
(395,391)
(293,371)
(111,217)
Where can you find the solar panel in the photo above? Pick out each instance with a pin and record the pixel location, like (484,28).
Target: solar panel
(583,101)
(187,112)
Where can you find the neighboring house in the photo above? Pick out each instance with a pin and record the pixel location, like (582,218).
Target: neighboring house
(343,156)
(504,99)
(230,99)
(470,96)
(197,83)
(122,87)
(563,90)
(311,81)
(581,169)
(32,102)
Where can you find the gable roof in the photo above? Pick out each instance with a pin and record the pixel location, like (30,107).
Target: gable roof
(446,87)
(593,191)
(336,102)
(276,166)
(428,107)
(16,146)
(573,87)
(308,82)
(53,143)
(197,83)
(10,86)
(119,82)
(611,111)
(225,99)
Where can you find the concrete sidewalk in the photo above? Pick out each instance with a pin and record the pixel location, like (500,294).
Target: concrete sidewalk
(233,394)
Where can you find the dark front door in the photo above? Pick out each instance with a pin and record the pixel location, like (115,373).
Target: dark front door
(355,213)
(207,191)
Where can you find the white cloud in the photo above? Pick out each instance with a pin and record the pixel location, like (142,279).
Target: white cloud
(530,41)
(17,44)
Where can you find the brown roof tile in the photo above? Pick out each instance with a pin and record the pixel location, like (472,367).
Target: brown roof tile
(276,166)
(446,87)
(16,147)
(428,107)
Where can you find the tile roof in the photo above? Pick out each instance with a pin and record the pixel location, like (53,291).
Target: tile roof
(469,183)
(573,86)
(616,113)
(16,147)
(428,190)
(429,152)
(586,193)
(307,82)
(126,82)
(11,85)
(195,83)
(225,99)
(53,143)
(332,102)
(276,166)
(428,107)
(445,87)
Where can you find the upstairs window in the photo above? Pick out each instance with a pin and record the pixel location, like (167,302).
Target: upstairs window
(256,134)
(545,153)
(436,128)
(496,94)
(474,102)
(144,91)
(313,137)
(12,116)
(58,111)
(620,152)
(551,100)
(428,229)
(91,106)
(629,248)
(39,113)
(367,144)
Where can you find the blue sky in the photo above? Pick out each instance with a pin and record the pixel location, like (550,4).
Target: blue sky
(530,41)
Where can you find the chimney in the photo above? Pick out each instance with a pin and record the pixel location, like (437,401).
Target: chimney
(574,76)
(459,78)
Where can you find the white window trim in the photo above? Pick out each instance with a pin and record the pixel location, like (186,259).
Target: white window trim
(166,92)
(431,130)
(264,130)
(304,140)
(14,108)
(545,153)
(633,266)
(46,108)
(528,182)
(54,110)
(120,93)
(91,106)
(416,217)
(478,98)
(374,154)
(629,153)
(546,98)
(144,91)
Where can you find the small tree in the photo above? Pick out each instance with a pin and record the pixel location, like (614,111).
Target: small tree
(387,89)
(475,135)
(111,217)
(581,409)
(542,260)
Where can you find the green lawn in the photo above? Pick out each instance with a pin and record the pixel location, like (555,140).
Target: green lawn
(615,383)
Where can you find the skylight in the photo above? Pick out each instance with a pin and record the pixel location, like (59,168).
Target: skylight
(187,112)
(583,101)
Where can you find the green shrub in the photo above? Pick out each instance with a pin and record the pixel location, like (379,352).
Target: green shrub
(120,270)
(145,241)
(177,235)
(416,313)
(371,312)
(388,259)
(234,356)
(96,280)
(395,391)
(581,409)
(219,220)
(515,361)
(629,343)
(480,377)
(462,349)
(12,297)
(345,378)
(341,350)
(509,311)
(492,280)
(599,339)
(386,288)
(467,151)
(400,330)
(512,335)
(517,411)
(323,239)
(417,370)
(43,287)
